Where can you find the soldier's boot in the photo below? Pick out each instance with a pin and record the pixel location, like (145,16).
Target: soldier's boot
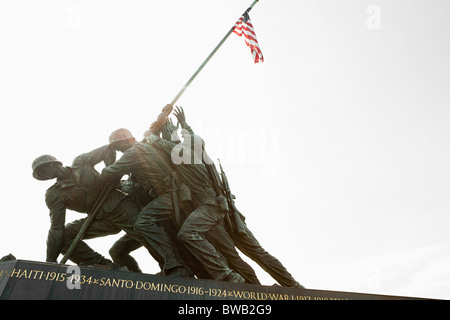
(179,272)
(234,277)
(298,285)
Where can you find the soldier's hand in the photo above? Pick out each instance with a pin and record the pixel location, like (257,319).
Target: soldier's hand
(170,126)
(179,113)
(168,130)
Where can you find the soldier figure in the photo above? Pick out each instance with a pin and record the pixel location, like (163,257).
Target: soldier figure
(155,176)
(77,188)
(206,219)
(155,173)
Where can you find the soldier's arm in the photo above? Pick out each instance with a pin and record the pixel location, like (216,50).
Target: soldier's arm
(55,238)
(96,156)
(114,172)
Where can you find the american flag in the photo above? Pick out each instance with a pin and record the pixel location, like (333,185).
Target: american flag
(245,27)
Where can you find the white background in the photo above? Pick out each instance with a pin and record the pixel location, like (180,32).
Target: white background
(337,146)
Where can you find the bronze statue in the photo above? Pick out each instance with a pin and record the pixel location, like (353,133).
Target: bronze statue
(174,199)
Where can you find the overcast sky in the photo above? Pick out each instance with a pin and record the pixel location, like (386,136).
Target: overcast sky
(337,146)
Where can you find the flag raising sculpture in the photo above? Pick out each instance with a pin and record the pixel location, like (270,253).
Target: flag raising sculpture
(244,27)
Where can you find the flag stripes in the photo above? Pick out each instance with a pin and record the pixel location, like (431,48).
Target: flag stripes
(244,27)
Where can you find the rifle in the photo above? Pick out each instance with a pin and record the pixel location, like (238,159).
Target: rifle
(176,207)
(223,202)
(238,217)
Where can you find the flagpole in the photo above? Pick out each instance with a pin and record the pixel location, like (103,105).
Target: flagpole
(207,59)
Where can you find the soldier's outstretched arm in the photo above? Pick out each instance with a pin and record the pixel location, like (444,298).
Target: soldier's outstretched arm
(114,172)
(104,153)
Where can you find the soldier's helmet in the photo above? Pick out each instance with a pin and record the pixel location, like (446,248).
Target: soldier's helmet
(40,162)
(118,136)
